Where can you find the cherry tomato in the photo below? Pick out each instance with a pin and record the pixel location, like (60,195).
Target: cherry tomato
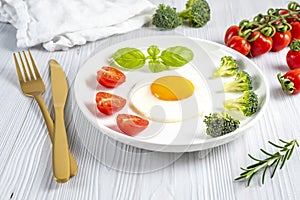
(290,81)
(239,44)
(281,40)
(230,32)
(110,77)
(291,18)
(131,124)
(283,12)
(261,45)
(109,103)
(293,55)
(295,30)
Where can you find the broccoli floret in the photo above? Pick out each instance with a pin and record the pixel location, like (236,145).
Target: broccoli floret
(218,124)
(228,67)
(241,82)
(247,103)
(197,12)
(166,17)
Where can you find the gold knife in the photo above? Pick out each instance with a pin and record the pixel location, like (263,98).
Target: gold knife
(60,155)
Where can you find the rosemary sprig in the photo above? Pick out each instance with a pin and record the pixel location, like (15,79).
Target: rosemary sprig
(281,156)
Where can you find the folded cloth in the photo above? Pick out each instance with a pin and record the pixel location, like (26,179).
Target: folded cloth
(59,25)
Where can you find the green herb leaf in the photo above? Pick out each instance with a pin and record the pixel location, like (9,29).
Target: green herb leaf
(177,56)
(130,58)
(157,66)
(153,51)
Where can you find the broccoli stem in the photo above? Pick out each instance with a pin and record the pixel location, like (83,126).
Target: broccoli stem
(233,86)
(233,103)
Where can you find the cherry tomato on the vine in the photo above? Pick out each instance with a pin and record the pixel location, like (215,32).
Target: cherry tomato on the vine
(110,77)
(293,59)
(281,40)
(283,12)
(239,44)
(295,30)
(230,32)
(131,124)
(291,18)
(290,81)
(261,45)
(293,55)
(109,103)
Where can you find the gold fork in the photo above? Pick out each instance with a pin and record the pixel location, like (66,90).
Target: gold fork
(33,86)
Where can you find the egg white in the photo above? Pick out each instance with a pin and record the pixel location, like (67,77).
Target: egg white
(147,105)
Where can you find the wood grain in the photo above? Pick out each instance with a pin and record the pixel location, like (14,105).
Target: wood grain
(119,171)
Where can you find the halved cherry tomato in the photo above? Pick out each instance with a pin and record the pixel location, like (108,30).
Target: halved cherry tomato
(230,32)
(131,124)
(290,81)
(239,44)
(281,40)
(110,77)
(109,103)
(293,55)
(295,30)
(261,45)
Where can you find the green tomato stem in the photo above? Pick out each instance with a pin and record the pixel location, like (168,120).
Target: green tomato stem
(295,45)
(287,85)
(265,23)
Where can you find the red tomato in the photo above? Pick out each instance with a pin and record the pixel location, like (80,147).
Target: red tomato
(290,82)
(295,30)
(110,77)
(293,55)
(239,44)
(131,124)
(293,59)
(109,103)
(281,40)
(261,45)
(231,31)
(283,12)
(291,18)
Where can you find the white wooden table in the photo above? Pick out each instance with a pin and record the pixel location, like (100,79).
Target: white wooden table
(124,172)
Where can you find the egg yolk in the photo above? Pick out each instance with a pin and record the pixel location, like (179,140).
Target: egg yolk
(172,88)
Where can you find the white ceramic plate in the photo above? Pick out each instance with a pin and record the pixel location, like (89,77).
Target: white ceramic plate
(182,136)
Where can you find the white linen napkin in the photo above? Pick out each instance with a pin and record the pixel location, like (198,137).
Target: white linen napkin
(59,25)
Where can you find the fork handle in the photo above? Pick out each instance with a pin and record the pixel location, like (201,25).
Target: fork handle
(46,115)
(50,127)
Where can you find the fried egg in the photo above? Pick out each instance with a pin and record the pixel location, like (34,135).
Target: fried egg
(171,98)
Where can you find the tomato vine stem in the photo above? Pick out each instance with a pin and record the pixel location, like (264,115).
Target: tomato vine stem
(268,24)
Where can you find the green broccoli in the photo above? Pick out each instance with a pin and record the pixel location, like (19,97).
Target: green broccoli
(218,124)
(247,103)
(241,82)
(228,67)
(197,12)
(166,17)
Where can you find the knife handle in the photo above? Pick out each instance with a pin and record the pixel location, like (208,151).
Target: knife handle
(50,127)
(61,160)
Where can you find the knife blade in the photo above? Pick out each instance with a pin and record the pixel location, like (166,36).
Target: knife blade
(60,155)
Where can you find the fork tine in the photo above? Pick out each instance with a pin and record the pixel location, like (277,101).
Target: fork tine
(28,66)
(23,67)
(36,71)
(18,69)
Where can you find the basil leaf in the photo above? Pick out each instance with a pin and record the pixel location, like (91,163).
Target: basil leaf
(177,56)
(130,58)
(157,66)
(153,51)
